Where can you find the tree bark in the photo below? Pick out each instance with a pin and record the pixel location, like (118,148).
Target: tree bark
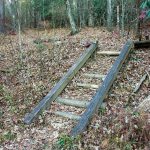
(1,15)
(74,28)
(122,18)
(81,7)
(118,19)
(91,17)
(138,23)
(109,15)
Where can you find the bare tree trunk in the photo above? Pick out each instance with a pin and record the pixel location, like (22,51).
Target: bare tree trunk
(138,23)
(74,28)
(81,8)
(1,15)
(122,18)
(91,17)
(109,15)
(35,18)
(118,19)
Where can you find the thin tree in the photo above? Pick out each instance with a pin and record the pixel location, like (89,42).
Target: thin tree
(74,28)
(123,17)
(109,14)
(2,22)
(91,17)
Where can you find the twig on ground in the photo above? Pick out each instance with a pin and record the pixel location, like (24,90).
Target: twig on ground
(148,75)
(140,83)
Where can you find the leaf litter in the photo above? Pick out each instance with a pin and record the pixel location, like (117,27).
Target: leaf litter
(47,55)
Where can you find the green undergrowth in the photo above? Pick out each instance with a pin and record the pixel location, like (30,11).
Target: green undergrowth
(7,136)
(6,96)
(65,142)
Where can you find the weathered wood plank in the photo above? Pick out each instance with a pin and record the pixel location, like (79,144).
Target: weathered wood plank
(98,76)
(72,102)
(67,115)
(102,91)
(108,53)
(58,88)
(85,85)
(142,44)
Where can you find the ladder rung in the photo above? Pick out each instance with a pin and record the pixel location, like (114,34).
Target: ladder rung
(94,86)
(69,115)
(98,76)
(71,102)
(109,53)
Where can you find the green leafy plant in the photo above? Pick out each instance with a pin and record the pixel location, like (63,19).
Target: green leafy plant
(6,94)
(128,146)
(7,136)
(101,111)
(66,142)
(7,97)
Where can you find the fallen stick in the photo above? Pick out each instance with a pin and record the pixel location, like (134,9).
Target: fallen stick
(148,75)
(140,83)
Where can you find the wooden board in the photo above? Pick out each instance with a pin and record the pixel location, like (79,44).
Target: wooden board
(142,44)
(109,53)
(102,91)
(58,88)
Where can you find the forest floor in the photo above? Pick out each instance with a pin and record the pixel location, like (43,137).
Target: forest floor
(30,69)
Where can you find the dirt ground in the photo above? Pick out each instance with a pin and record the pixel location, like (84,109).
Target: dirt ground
(30,68)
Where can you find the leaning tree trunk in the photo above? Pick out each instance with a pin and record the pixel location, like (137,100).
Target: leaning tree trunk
(109,15)
(74,28)
(1,16)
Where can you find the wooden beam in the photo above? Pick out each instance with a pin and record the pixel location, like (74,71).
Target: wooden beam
(98,76)
(67,115)
(142,44)
(71,102)
(58,88)
(102,91)
(109,53)
(85,85)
